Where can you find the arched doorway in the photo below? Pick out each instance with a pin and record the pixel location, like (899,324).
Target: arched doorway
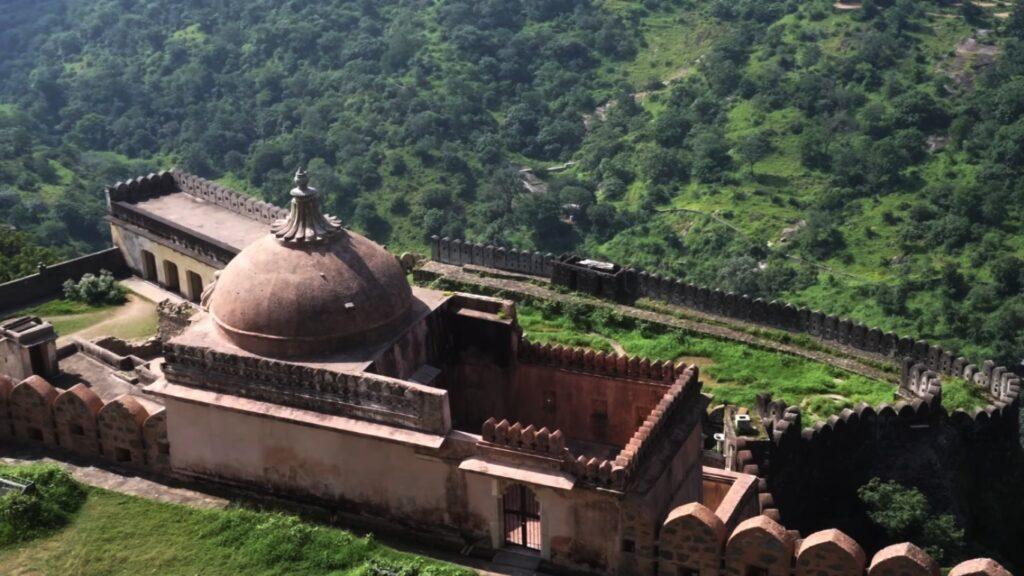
(195,286)
(148,266)
(522,517)
(171,276)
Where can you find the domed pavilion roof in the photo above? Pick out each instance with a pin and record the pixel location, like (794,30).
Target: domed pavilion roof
(309,288)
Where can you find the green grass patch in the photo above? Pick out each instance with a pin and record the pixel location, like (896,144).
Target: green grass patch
(958,393)
(137,319)
(735,372)
(53,497)
(61,307)
(114,534)
(69,316)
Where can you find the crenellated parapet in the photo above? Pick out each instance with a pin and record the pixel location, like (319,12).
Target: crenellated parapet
(367,396)
(122,206)
(76,420)
(142,188)
(1000,386)
(461,253)
(920,402)
(225,197)
(655,426)
(693,540)
(597,362)
(919,381)
(168,182)
(530,440)
(545,444)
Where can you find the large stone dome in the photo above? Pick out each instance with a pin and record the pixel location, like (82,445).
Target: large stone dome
(309,288)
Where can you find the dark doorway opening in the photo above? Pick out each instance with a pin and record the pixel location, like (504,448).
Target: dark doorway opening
(171,276)
(149,266)
(37,356)
(522,517)
(195,286)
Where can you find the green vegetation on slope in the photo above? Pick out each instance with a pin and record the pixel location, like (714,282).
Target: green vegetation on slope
(862,162)
(113,534)
(734,373)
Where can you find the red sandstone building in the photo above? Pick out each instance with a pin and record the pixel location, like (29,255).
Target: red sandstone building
(318,371)
(315,371)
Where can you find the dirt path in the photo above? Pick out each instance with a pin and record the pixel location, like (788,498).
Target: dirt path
(616,346)
(125,320)
(117,480)
(137,309)
(694,323)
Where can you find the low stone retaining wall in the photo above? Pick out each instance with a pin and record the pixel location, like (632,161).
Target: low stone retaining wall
(49,281)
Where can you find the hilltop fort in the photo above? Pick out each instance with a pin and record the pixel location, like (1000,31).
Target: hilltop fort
(300,362)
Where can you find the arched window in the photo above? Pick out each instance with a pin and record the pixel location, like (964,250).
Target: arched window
(522,517)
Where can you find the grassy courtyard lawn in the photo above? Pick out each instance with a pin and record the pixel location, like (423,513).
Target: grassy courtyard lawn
(136,318)
(114,534)
(68,316)
(733,373)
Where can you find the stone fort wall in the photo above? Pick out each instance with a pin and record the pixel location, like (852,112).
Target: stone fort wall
(366,396)
(79,422)
(908,440)
(796,460)
(1001,383)
(49,280)
(692,540)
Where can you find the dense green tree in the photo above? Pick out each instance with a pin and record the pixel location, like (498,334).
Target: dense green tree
(903,514)
(752,148)
(710,155)
(415,117)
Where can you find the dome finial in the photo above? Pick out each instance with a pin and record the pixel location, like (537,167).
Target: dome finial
(301,179)
(305,223)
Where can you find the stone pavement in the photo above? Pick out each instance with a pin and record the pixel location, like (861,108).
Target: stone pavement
(118,480)
(151,291)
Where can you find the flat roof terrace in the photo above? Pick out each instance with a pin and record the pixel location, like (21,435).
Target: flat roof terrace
(204,218)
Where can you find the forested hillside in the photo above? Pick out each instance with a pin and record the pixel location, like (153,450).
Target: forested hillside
(861,159)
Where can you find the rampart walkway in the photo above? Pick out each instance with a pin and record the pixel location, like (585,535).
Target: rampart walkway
(687,319)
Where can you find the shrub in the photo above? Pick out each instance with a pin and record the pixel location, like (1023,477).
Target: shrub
(56,496)
(95,290)
(903,514)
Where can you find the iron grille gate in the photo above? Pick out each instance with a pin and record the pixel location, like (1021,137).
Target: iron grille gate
(522,517)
